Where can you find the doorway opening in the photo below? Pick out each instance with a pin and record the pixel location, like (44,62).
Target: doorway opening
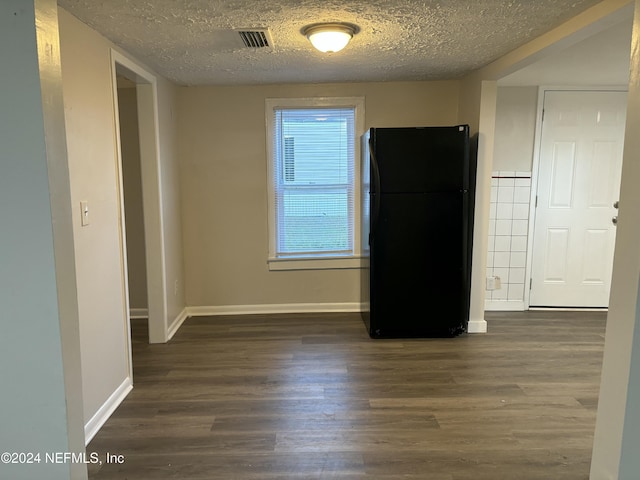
(142,247)
(599,60)
(134,234)
(132,196)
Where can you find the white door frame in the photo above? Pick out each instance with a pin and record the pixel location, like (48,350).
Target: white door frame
(536,168)
(147,98)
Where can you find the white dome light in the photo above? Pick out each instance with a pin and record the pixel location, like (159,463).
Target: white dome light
(329,37)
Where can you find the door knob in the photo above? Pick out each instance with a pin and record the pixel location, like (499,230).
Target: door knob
(614,220)
(616,204)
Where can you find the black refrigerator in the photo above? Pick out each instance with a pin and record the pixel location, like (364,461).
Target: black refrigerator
(418,188)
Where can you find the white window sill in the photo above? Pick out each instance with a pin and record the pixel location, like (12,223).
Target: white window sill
(315,263)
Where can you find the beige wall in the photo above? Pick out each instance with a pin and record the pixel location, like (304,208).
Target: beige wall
(93,170)
(86,75)
(516,112)
(171,210)
(224,185)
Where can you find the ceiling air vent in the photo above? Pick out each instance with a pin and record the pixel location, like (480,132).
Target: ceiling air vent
(256,38)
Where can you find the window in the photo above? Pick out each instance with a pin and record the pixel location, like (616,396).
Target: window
(313,190)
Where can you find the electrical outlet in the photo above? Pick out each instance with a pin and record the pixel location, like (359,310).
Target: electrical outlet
(175,288)
(493,283)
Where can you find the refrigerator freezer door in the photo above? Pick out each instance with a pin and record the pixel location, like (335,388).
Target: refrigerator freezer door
(418,285)
(429,159)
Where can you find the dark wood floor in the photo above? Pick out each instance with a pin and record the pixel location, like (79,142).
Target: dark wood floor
(312,397)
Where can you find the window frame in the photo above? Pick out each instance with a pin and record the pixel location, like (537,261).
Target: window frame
(317,261)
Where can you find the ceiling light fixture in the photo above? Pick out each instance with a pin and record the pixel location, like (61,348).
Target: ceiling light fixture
(329,37)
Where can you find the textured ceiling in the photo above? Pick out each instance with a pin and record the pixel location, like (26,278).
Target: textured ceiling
(398,39)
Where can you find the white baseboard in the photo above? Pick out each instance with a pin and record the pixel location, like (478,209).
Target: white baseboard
(139,313)
(477,326)
(504,306)
(104,412)
(273,308)
(177,323)
(571,309)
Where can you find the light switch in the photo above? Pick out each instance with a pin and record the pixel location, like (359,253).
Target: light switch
(84,212)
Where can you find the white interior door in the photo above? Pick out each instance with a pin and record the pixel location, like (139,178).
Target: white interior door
(578,183)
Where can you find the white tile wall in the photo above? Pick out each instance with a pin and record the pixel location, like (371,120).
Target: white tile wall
(508,229)
(503,243)
(520,211)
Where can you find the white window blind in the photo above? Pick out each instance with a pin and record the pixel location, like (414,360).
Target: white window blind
(313,168)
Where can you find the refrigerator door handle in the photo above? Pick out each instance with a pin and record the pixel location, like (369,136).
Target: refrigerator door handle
(375,195)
